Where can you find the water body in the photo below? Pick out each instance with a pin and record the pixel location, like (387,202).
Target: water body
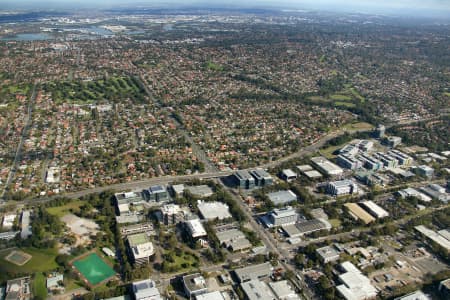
(29,37)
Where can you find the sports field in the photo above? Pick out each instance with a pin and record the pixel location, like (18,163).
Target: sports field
(94,269)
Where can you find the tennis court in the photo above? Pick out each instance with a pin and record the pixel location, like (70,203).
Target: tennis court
(18,257)
(93,268)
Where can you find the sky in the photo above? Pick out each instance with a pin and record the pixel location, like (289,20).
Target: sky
(401,7)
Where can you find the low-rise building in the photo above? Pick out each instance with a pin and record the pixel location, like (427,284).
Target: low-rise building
(201,191)
(310,226)
(8,235)
(283,290)
(194,284)
(195,228)
(25,224)
(358,213)
(141,248)
(326,167)
(8,221)
(342,187)
(177,189)
(213,210)
(444,288)
(257,290)
(282,197)
(211,296)
(374,209)
(392,141)
(411,192)
(233,239)
(55,282)
(417,295)
(424,171)
(18,289)
(146,290)
(355,285)
(434,236)
(253,272)
(288,175)
(137,228)
(328,254)
(313,174)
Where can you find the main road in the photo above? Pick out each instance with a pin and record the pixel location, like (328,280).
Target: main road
(18,153)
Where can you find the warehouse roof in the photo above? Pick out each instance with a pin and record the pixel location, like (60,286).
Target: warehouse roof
(253,272)
(359,213)
(282,197)
(213,210)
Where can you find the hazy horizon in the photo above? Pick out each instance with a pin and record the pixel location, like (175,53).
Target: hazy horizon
(429,8)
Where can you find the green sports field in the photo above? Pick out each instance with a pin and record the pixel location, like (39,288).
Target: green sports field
(94,269)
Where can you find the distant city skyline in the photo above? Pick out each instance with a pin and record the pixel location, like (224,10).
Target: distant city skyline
(439,8)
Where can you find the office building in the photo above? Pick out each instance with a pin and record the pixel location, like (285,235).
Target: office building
(171,214)
(141,248)
(282,216)
(157,193)
(380,131)
(365,145)
(194,284)
(370,163)
(195,228)
(348,162)
(262,178)
(387,160)
(342,187)
(349,150)
(146,290)
(402,158)
(244,180)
